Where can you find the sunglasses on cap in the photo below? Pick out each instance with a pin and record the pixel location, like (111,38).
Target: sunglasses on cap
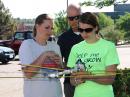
(87,30)
(73,17)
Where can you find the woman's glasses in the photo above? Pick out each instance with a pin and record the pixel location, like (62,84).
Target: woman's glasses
(87,30)
(73,17)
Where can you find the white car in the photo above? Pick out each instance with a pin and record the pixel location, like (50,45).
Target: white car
(6,54)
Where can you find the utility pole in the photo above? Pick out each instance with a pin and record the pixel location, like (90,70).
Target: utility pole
(67,2)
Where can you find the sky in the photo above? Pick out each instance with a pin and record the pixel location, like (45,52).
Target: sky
(32,8)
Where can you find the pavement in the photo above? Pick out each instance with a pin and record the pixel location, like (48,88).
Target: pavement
(123,46)
(13,87)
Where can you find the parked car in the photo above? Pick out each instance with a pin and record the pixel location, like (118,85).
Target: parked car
(16,40)
(6,54)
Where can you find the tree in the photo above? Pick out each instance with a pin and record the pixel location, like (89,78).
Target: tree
(7,24)
(112,34)
(60,23)
(101,3)
(107,28)
(105,20)
(123,23)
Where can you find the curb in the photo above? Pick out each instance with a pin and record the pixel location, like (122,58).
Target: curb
(123,46)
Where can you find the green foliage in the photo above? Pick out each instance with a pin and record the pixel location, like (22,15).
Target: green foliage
(7,24)
(127,36)
(104,20)
(60,23)
(108,30)
(121,85)
(123,23)
(101,3)
(112,34)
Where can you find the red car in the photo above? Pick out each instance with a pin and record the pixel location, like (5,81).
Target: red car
(16,40)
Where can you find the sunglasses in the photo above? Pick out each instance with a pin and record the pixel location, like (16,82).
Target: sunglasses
(87,30)
(73,17)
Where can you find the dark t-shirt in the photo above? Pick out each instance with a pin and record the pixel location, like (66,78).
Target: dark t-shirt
(66,41)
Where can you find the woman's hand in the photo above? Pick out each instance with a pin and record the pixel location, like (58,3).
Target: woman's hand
(56,58)
(47,54)
(76,78)
(52,56)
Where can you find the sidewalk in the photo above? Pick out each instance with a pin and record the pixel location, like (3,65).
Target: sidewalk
(123,46)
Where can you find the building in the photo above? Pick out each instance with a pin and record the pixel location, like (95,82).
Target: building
(119,9)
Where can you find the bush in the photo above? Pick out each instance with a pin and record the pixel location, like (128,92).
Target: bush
(121,85)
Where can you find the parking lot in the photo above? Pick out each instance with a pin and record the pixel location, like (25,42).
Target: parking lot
(13,87)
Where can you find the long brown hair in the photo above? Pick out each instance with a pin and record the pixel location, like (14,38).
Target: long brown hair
(39,20)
